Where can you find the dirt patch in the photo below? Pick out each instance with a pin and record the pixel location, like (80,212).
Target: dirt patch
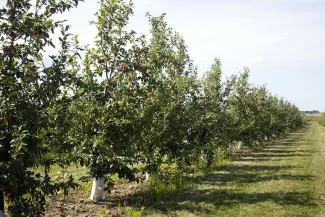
(77,203)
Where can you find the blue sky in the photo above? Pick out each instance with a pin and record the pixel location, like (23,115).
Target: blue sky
(281,41)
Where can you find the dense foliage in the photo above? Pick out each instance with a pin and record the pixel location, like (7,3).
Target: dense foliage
(132,99)
(33,95)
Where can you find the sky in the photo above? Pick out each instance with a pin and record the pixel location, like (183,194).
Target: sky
(281,41)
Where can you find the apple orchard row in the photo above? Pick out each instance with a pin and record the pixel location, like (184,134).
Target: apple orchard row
(128,99)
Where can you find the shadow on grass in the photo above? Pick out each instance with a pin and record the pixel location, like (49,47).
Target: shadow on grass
(257,159)
(221,179)
(245,173)
(201,200)
(277,155)
(251,168)
(242,172)
(280,151)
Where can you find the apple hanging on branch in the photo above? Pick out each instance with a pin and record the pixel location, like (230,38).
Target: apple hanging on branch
(6,50)
(52,10)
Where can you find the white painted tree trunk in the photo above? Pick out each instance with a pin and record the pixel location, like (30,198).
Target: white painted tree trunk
(97,190)
(2,214)
(147,176)
(231,147)
(240,145)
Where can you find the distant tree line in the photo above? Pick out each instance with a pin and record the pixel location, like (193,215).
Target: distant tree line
(310,112)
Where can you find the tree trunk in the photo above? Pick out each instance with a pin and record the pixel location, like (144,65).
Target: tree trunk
(240,145)
(231,147)
(149,169)
(97,190)
(147,176)
(210,157)
(2,214)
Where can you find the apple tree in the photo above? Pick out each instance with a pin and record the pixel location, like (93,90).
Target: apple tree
(33,88)
(115,83)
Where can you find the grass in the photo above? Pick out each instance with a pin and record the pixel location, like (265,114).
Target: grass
(285,178)
(311,117)
(282,179)
(75,171)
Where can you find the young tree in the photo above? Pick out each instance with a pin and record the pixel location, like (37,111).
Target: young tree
(215,118)
(164,126)
(116,82)
(240,108)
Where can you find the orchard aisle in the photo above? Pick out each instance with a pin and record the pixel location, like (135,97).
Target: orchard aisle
(283,179)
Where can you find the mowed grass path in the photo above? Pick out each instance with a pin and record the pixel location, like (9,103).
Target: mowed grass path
(286,178)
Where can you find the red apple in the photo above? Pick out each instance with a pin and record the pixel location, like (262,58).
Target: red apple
(122,67)
(11,18)
(52,10)
(107,92)
(100,34)
(100,61)
(65,118)
(10,10)
(6,50)
(139,52)
(129,79)
(105,22)
(12,34)
(35,32)
(9,117)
